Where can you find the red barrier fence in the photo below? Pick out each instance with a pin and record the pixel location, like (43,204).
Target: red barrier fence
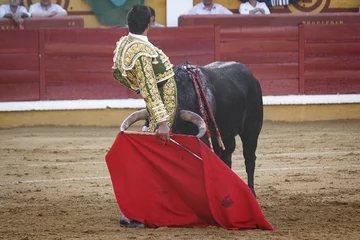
(331,59)
(19,65)
(59,64)
(43,22)
(276,19)
(272,53)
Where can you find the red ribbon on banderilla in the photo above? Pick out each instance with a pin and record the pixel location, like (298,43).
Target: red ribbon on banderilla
(206,111)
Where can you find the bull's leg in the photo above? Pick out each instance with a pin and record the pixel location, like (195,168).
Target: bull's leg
(249,141)
(226,158)
(229,149)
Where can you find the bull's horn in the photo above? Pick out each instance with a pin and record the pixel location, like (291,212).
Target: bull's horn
(134,117)
(195,119)
(184,114)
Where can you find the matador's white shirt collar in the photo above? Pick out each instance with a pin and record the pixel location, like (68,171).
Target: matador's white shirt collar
(141,37)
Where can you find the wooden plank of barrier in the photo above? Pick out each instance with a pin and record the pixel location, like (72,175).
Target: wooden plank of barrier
(275,71)
(259,46)
(78,49)
(58,22)
(194,44)
(84,85)
(278,87)
(19,91)
(172,33)
(217,43)
(324,33)
(345,84)
(301,58)
(229,34)
(13,41)
(19,83)
(78,64)
(322,49)
(343,74)
(42,64)
(82,42)
(332,63)
(187,46)
(195,59)
(261,57)
(24,76)
(332,82)
(19,61)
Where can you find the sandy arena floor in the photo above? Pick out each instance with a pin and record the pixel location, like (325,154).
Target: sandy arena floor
(55,184)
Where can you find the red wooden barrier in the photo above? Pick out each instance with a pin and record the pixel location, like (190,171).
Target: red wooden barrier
(276,19)
(78,62)
(301,58)
(270,52)
(189,43)
(19,65)
(59,64)
(58,22)
(36,23)
(332,59)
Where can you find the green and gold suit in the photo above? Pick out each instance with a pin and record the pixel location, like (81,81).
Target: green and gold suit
(145,69)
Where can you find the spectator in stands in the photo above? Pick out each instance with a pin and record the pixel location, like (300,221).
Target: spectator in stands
(14,11)
(208,7)
(253,7)
(153,23)
(45,8)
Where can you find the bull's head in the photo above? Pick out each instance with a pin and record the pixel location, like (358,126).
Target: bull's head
(184,115)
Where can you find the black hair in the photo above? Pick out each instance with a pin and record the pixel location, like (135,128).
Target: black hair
(138,18)
(152,11)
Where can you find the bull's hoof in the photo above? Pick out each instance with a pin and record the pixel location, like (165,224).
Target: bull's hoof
(125,222)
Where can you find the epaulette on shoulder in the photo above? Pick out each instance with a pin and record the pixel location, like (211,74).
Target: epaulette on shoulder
(119,45)
(134,50)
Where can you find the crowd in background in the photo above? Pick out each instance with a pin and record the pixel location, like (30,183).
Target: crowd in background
(249,7)
(44,8)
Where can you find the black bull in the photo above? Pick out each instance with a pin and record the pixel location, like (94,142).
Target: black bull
(235,97)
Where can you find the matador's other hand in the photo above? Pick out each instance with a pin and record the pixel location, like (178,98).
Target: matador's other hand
(163,131)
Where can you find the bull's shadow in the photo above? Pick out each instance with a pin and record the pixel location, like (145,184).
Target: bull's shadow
(235,97)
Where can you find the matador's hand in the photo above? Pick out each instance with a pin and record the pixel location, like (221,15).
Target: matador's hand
(163,131)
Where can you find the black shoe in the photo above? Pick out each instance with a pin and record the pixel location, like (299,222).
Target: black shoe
(125,222)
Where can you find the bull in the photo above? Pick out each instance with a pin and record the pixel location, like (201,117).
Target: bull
(235,98)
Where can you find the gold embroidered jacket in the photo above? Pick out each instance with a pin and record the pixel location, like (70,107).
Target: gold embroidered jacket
(140,66)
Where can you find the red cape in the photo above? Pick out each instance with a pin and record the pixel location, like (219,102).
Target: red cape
(164,185)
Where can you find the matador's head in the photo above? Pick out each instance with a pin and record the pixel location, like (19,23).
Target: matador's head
(138,19)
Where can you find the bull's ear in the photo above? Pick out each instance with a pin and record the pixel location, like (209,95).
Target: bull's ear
(194,118)
(134,117)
